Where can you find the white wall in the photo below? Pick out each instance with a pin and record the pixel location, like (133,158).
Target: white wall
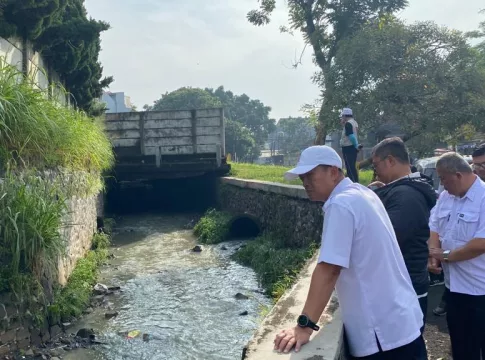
(116,102)
(37,68)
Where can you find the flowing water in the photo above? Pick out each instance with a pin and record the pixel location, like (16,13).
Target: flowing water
(184,300)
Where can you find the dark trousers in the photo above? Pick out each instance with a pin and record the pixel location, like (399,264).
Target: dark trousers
(350,158)
(413,351)
(466,323)
(423,303)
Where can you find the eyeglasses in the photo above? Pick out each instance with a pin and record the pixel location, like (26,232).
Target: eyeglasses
(478,166)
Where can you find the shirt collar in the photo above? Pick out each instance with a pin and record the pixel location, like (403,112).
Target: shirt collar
(337,190)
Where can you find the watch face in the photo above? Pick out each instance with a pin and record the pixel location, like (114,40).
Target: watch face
(302,320)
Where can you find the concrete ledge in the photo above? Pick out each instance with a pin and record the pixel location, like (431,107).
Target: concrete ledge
(295,191)
(326,344)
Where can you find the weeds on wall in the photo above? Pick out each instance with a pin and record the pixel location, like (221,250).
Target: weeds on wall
(37,132)
(276,264)
(213,227)
(71,300)
(30,223)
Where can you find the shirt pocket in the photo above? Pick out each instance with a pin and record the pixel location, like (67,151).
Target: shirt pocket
(443,218)
(467,225)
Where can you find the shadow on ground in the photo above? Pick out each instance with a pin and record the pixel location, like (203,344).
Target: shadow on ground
(436,332)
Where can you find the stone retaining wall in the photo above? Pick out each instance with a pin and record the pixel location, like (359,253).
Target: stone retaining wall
(286,210)
(79,225)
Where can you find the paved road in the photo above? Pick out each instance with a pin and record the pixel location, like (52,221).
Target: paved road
(436,332)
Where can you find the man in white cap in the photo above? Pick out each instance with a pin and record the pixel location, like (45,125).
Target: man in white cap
(359,256)
(349,143)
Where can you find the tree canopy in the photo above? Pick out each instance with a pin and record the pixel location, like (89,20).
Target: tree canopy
(70,42)
(324,24)
(295,134)
(247,120)
(425,78)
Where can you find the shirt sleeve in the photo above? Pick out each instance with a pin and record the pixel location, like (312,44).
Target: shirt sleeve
(480,233)
(349,129)
(337,236)
(433,219)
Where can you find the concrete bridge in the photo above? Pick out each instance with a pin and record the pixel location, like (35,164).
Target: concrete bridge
(286,210)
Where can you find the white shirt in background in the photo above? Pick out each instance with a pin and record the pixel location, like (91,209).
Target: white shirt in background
(457,221)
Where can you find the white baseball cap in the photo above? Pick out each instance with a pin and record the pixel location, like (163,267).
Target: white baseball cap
(313,156)
(346,112)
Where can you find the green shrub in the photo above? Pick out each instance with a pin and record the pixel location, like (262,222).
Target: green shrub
(276,265)
(213,227)
(30,221)
(71,300)
(101,241)
(38,132)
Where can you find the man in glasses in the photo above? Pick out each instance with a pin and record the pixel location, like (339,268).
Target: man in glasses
(408,199)
(478,157)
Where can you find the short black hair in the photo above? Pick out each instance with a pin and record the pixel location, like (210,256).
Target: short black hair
(479,151)
(394,147)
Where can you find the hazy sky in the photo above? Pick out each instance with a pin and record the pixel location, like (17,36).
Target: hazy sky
(156,46)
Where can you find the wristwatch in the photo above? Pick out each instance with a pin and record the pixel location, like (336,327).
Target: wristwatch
(304,321)
(446,255)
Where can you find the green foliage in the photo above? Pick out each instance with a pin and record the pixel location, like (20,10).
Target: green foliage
(186,98)
(324,24)
(36,131)
(247,121)
(274,173)
(30,221)
(276,265)
(213,227)
(71,300)
(250,113)
(297,134)
(101,241)
(62,32)
(425,78)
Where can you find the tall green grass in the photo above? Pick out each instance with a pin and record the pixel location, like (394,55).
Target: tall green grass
(276,265)
(36,131)
(30,224)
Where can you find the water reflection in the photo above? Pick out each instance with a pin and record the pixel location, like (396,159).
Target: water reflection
(183,300)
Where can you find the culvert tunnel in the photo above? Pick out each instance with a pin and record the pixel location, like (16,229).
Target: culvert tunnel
(244,226)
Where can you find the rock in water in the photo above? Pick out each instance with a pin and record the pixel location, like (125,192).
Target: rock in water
(85,333)
(244,313)
(111,314)
(240,296)
(100,289)
(197,248)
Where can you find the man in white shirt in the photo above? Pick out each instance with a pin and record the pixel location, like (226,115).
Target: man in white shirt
(457,242)
(359,256)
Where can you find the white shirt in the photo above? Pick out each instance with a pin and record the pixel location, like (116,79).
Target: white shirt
(457,221)
(374,288)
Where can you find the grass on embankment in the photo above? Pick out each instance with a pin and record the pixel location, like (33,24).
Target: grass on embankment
(37,132)
(275,173)
(276,265)
(71,300)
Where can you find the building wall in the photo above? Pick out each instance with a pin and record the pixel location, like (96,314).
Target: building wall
(37,68)
(117,102)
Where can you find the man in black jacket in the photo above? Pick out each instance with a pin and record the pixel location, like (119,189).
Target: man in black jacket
(408,198)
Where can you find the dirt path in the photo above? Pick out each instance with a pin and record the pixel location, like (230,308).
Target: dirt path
(436,332)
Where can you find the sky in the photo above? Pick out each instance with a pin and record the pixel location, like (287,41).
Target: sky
(157,46)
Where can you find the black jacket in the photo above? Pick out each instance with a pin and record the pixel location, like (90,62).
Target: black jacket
(409,202)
